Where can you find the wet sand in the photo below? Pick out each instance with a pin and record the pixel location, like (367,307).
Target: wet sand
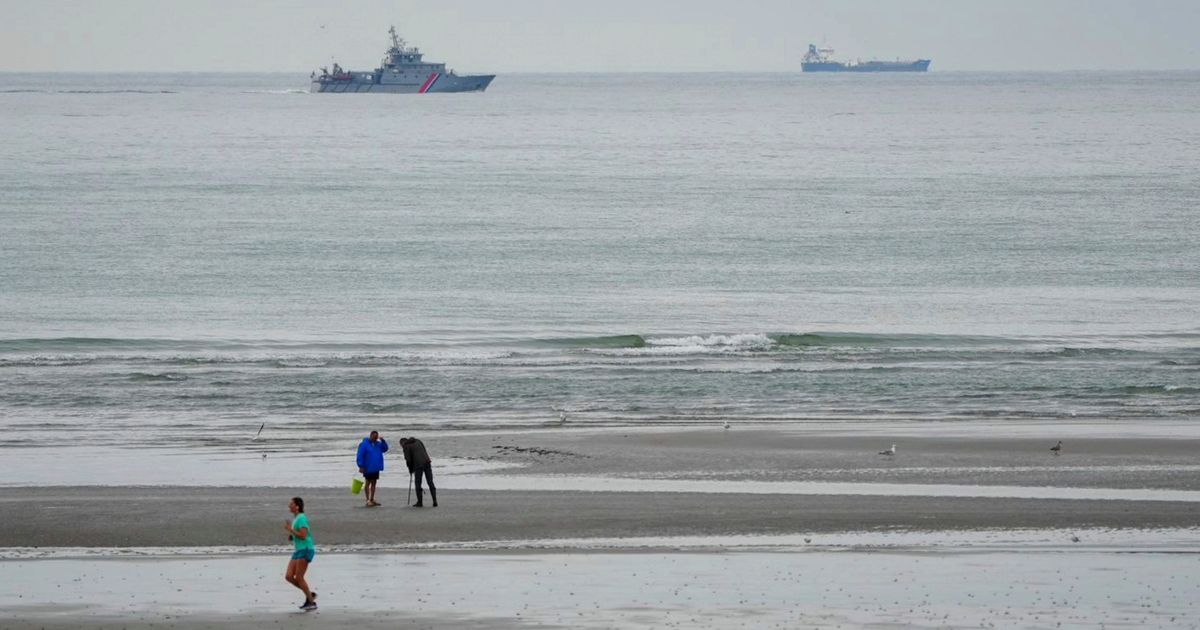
(879,588)
(156,517)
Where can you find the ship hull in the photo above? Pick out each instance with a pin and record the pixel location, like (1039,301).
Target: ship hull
(921,65)
(433,84)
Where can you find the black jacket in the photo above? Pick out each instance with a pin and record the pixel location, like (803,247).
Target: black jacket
(414,454)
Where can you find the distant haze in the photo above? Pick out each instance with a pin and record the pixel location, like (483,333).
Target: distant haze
(583,36)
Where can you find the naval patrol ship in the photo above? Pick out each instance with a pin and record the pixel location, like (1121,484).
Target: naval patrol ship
(819,60)
(402,72)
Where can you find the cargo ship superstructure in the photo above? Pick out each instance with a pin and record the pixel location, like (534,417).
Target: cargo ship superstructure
(402,71)
(821,60)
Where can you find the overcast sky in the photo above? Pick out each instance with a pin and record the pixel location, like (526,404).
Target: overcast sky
(595,35)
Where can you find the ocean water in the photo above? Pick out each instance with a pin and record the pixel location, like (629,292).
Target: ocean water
(184,257)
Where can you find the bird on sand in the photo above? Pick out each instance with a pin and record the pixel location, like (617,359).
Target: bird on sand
(1057,448)
(889,452)
(726,425)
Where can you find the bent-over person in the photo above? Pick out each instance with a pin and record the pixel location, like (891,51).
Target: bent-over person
(419,464)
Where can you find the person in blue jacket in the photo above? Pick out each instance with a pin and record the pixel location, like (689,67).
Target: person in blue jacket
(370,463)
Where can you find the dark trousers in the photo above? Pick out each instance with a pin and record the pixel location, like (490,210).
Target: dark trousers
(426,470)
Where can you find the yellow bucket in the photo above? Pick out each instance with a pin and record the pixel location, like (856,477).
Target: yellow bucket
(356,485)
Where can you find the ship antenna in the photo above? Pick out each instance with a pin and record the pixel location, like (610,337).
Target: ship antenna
(395,37)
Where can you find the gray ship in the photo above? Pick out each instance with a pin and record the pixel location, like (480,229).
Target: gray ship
(402,72)
(819,60)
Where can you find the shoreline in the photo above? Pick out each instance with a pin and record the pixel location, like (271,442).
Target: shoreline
(1116,456)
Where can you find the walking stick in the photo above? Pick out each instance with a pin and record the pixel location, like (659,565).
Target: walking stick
(410,484)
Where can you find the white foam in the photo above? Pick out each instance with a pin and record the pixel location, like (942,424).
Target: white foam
(692,344)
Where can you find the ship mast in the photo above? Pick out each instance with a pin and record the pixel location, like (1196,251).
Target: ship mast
(397,43)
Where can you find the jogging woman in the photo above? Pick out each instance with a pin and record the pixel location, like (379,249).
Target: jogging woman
(301,536)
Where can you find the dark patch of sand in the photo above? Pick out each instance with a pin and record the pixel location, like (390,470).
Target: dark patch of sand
(137,517)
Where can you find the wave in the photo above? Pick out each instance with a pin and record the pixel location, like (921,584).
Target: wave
(725,343)
(778,340)
(299,362)
(384,409)
(1176,390)
(1082,343)
(834,346)
(1071,352)
(829,339)
(743,340)
(608,341)
(156,378)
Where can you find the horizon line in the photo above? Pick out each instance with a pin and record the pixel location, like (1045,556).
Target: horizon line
(596,72)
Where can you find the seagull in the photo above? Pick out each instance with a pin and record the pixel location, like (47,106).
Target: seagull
(1074,537)
(562,417)
(889,452)
(260,428)
(1057,448)
(726,424)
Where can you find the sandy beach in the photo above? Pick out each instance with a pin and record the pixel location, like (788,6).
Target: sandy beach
(621,483)
(672,527)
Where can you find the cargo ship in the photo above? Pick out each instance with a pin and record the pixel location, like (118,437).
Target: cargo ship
(820,60)
(402,71)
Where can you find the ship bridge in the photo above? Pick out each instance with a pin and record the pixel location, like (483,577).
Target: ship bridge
(405,64)
(400,54)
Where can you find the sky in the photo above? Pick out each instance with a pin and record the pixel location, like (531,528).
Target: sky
(595,36)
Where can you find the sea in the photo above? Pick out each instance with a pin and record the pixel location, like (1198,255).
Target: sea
(187,258)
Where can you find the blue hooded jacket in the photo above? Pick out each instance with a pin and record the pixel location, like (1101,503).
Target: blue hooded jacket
(370,456)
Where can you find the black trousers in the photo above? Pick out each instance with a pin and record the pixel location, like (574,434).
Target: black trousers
(426,470)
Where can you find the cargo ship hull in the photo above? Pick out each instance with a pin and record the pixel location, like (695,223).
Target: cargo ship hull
(920,65)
